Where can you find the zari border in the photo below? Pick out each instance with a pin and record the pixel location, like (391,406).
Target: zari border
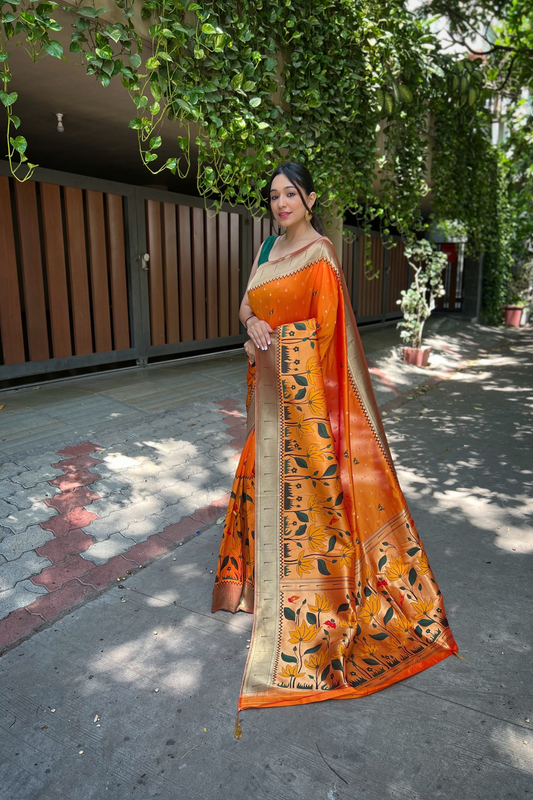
(323,250)
(250,415)
(360,376)
(261,658)
(271,699)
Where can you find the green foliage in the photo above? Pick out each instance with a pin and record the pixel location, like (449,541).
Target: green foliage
(32,23)
(354,89)
(314,81)
(452,229)
(501,234)
(419,300)
(472,187)
(101,45)
(491,189)
(461,153)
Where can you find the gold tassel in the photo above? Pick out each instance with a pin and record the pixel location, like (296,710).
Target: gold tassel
(461,657)
(238,729)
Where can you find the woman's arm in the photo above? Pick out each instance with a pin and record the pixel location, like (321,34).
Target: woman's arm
(258,330)
(249,348)
(245,311)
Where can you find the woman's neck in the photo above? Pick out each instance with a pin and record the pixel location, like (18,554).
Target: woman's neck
(299,232)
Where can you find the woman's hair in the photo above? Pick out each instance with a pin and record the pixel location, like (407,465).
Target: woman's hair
(301,178)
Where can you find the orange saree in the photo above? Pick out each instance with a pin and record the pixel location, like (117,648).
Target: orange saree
(318,540)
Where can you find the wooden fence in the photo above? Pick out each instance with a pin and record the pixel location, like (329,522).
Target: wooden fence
(374,291)
(193,273)
(94,272)
(63,285)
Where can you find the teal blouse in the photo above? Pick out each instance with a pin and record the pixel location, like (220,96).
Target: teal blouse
(265,250)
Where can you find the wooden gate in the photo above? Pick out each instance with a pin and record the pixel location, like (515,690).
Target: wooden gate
(94,272)
(64,296)
(374,298)
(452,277)
(194,269)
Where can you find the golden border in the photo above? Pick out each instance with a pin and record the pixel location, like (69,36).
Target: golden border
(250,415)
(323,250)
(260,663)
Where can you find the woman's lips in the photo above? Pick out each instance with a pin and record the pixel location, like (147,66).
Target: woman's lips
(285,215)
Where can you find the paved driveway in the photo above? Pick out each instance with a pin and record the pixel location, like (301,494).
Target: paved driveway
(134,693)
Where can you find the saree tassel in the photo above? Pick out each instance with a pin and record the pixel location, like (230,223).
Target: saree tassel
(238,729)
(461,657)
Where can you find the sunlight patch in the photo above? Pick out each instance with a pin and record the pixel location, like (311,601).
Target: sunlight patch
(162,599)
(119,462)
(511,741)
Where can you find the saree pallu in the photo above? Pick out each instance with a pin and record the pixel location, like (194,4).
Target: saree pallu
(318,540)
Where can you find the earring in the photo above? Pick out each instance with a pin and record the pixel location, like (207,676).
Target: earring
(308,216)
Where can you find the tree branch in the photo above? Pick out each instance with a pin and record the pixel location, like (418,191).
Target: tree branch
(509,71)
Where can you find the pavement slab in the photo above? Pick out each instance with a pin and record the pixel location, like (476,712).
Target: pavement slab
(26,565)
(151,472)
(110,597)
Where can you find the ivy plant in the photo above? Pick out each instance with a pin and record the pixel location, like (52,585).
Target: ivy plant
(358,91)
(315,81)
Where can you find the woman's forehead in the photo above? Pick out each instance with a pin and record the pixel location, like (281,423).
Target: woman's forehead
(281,182)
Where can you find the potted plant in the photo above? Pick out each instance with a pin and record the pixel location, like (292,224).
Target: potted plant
(420,299)
(514,313)
(520,294)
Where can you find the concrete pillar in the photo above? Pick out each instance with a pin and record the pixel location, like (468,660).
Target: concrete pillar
(472,283)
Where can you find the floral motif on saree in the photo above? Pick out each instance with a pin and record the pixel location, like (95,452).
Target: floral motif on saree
(318,538)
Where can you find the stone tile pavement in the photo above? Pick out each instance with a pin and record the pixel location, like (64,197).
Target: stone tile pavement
(134,694)
(107,508)
(101,475)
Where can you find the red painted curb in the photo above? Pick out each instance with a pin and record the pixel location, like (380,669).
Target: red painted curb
(384,378)
(101,576)
(17,625)
(50,605)
(179,530)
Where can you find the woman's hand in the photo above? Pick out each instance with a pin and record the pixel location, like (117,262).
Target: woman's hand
(258,331)
(249,347)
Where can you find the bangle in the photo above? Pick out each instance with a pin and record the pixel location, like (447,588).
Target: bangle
(246,320)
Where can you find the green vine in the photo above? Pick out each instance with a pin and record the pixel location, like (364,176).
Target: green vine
(314,81)
(359,91)
(32,25)
(471,181)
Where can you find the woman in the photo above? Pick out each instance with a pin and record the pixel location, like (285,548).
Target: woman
(318,541)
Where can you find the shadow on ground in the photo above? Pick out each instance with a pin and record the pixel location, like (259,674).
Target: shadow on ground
(458,729)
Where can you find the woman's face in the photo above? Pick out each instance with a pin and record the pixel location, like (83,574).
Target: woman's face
(286,203)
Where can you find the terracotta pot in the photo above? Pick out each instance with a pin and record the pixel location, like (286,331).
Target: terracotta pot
(418,356)
(513,315)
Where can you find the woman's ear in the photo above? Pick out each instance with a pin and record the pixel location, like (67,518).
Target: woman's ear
(311,200)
